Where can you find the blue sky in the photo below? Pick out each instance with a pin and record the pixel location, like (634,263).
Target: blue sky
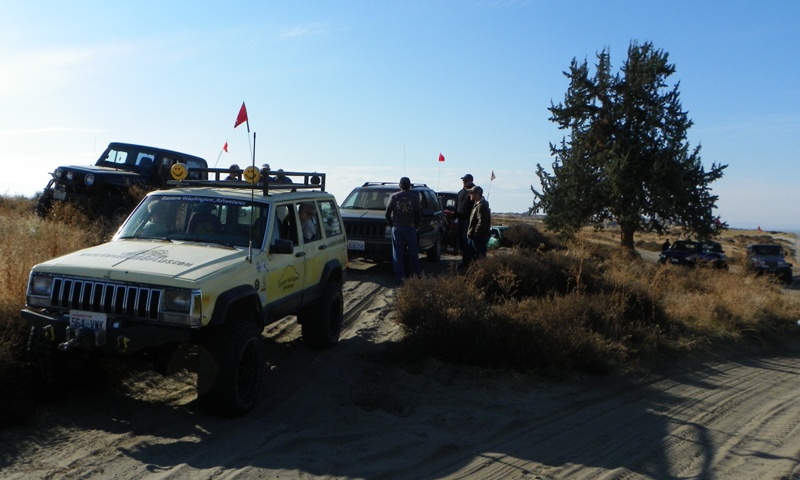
(373,90)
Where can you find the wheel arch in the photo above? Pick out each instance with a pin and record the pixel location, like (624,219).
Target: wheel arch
(242,301)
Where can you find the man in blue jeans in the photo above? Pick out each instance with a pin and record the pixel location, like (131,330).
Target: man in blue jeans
(403,214)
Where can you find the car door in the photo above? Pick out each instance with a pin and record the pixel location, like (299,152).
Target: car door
(284,271)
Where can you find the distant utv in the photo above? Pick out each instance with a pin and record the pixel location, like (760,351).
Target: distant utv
(103,190)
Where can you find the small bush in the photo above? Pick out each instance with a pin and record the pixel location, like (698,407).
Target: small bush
(527,236)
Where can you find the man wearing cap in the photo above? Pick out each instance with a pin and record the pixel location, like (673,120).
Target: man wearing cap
(403,214)
(463,211)
(480,223)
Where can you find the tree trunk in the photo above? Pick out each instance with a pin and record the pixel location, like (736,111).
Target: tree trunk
(626,237)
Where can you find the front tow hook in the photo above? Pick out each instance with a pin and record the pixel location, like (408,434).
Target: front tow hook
(71,343)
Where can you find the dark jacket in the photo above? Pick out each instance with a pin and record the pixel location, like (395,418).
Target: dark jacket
(404,209)
(480,220)
(463,206)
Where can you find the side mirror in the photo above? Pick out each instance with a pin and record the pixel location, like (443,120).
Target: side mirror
(282,246)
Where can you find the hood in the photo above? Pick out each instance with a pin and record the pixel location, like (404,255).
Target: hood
(120,170)
(144,261)
(351,213)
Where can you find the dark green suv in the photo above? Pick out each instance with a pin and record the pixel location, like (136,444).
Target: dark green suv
(369,236)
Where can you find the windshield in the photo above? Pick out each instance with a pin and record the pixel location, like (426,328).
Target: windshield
(197,219)
(368,198)
(768,250)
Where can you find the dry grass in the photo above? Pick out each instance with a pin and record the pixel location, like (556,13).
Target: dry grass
(588,306)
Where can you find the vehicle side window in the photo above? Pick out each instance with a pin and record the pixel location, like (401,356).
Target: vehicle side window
(330,219)
(195,175)
(433,201)
(425,201)
(145,161)
(282,212)
(307,212)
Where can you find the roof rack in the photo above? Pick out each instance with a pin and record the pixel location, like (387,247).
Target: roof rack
(179,175)
(373,184)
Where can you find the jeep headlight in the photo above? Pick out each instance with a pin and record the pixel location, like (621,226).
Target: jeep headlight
(58,173)
(70,176)
(40,287)
(89,179)
(183,307)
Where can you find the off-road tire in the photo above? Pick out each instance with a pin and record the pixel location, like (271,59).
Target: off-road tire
(322,322)
(787,278)
(230,368)
(43,205)
(115,210)
(434,254)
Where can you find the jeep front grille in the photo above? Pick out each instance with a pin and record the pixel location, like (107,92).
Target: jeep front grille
(111,298)
(364,229)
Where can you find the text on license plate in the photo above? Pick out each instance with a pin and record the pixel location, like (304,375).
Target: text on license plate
(355,244)
(90,320)
(59,194)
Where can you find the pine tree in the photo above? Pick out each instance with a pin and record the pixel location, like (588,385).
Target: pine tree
(627,157)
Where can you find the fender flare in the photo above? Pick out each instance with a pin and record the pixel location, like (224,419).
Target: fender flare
(228,298)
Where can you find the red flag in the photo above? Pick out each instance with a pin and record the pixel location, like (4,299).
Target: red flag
(242,117)
(225,147)
(492,177)
(441,157)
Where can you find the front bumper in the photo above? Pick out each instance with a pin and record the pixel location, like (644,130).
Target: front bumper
(121,337)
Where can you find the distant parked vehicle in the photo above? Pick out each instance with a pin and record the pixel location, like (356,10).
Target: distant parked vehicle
(768,259)
(695,254)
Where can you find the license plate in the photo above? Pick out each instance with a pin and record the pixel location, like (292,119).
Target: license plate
(355,245)
(90,320)
(59,194)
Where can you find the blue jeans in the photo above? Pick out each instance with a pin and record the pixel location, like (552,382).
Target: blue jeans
(405,250)
(477,247)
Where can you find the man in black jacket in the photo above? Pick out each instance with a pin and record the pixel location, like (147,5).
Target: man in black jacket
(463,210)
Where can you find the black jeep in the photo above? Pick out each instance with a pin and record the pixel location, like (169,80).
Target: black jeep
(695,254)
(769,259)
(103,190)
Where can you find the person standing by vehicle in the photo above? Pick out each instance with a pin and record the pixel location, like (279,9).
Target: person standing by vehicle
(403,214)
(480,222)
(463,211)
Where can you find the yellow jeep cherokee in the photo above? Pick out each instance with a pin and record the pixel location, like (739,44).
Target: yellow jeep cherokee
(203,267)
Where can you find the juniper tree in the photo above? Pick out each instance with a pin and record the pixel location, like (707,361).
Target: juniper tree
(626,157)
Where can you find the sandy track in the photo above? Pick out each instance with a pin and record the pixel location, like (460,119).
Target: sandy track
(347,413)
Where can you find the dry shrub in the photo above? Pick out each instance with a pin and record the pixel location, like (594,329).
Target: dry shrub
(18,205)
(527,236)
(525,273)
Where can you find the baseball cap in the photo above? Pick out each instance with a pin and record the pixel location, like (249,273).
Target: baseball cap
(467,177)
